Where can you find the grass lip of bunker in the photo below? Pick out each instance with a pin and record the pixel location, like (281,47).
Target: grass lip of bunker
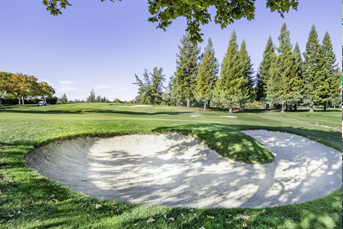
(178,170)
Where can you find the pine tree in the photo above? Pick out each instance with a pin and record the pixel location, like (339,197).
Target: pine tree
(229,84)
(336,89)
(207,74)
(311,68)
(150,88)
(91,97)
(299,61)
(264,71)
(284,70)
(246,92)
(187,67)
(64,99)
(329,86)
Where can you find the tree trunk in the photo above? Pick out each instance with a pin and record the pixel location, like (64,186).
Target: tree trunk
(267,106)
(324,106)
(283,108)
(18,100)
(22,99)
(334,106)
(204,106)
(230,108)
(295,107)
(311,108)
(188,102)
(240,107)
(290,107)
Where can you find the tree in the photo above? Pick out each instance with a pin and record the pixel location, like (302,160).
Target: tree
(187,67)
(91,98)
(151,87)
(64,99)
(196,12)
(311,68)
(175,94)
(300,64)
(285,72)
(4,84)
(229,84)
(207,74)
(329,86)
(264,72)
(246,92)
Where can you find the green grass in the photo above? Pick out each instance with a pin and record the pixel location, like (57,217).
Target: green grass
(55,206)
(17,106)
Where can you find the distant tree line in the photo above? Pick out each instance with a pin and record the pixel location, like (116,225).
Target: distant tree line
(285,78)
(23,87)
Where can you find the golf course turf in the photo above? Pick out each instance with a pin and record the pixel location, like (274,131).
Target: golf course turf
(29,200)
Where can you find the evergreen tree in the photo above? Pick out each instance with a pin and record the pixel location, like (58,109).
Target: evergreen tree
(207,74)
(187,67)
(91,98)
(98,99)
(329,82)
(246,92)
(299,61)
(229,84)
(151,87)
(312,70)
(285,72)
(336,89)
(64,99)
(264,71)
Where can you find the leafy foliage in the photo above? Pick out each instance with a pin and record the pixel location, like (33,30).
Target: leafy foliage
(23,86)
(196,12)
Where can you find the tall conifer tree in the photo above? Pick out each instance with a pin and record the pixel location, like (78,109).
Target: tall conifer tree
(187,67)
(230,81)
(328,87)
(246,92)
(207,74)
(264,71)
(299,61)
(312,70)
(285,72)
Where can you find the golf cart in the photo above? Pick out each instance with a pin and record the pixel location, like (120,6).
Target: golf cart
(41,102)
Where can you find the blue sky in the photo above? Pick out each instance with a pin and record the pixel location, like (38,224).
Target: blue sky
(102,45)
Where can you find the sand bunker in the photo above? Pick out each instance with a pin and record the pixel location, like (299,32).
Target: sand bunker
(177,170)
(228,116)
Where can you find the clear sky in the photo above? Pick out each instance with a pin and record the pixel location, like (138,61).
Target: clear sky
(102,45)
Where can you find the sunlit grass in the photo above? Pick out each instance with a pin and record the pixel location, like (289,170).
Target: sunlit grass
(46,204)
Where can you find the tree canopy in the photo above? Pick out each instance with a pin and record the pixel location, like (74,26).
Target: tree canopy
(196,12)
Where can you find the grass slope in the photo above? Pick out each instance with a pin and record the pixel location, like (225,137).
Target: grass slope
(29,200)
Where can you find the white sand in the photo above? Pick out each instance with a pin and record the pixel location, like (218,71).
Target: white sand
(228,116)
(176,170)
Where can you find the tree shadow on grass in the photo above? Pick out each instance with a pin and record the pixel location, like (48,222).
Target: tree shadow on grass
(71,111)
(296,216)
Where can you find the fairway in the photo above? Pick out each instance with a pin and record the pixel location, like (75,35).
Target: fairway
(31,200)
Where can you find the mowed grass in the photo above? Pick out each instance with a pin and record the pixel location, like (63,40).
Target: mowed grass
(30,200)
